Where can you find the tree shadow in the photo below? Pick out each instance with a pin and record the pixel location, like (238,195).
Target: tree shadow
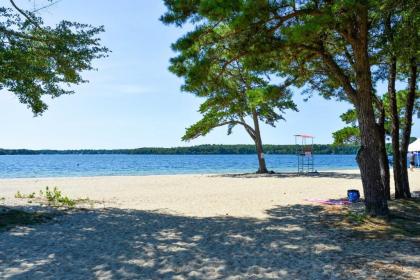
(293,243)
(327,174)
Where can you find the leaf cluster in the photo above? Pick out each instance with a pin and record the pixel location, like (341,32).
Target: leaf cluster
(38,60)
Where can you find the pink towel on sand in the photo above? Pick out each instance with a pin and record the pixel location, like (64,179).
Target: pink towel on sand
(330,201)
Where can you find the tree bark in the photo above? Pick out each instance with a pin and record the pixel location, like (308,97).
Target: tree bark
(384,162)
(405,141)
(258,144)
(368,156)
(395,127)
(368,159)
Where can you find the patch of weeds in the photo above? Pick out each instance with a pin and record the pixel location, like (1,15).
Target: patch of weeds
(21,195)
(56,198)
(51,197)
(11,218)
(356,218)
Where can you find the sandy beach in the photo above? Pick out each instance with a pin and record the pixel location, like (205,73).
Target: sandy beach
(199,227)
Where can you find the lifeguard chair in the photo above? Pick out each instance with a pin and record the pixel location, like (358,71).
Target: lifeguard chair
(305,153)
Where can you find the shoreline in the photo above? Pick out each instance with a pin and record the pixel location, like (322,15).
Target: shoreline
(345,170)
(201,195)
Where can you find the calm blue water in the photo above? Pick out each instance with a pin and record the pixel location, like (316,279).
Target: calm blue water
(20,166)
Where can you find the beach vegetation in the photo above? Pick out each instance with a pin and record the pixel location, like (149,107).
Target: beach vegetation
(51,197)
(56,198)
(21,195)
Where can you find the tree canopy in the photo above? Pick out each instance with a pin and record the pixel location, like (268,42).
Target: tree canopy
(232,92)
(37,60)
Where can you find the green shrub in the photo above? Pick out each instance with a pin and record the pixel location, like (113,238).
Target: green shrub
(54,197)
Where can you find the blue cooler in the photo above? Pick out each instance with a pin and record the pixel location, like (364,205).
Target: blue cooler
(353,195)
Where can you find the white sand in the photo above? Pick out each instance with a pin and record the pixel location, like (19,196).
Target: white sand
(199,227)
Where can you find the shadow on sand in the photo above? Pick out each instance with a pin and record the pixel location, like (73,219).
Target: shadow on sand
(328,174)
(293,243)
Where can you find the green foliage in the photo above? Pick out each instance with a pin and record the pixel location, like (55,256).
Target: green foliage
(351,134)
(347,136)
(37,60)
(401,107)
(311,42)
(212,69)
(231,90)
(55,197)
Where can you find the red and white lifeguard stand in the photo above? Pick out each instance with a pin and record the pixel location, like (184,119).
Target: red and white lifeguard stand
(305,152)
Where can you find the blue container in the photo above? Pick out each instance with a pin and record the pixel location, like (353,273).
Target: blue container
(353,195)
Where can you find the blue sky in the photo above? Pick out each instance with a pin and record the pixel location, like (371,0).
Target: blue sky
(132,100)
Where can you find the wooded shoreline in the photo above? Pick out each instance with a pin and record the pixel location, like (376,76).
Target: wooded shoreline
(194,150)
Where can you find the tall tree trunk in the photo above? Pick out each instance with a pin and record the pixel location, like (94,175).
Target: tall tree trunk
(395,127)
(368,156)
(258,144)
(409,107)
(384,162)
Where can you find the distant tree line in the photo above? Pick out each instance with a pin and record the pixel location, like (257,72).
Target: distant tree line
(194,150)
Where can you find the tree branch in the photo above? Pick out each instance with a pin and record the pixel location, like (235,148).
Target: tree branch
(335,71)
(29,18)
(47,6)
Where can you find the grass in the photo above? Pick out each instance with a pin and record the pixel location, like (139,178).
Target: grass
(11,217)
(404,220)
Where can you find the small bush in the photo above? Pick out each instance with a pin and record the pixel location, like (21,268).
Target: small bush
(56,198)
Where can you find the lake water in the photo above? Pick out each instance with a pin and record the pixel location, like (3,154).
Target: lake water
(24,166)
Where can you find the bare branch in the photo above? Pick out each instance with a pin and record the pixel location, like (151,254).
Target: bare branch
(47,6)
